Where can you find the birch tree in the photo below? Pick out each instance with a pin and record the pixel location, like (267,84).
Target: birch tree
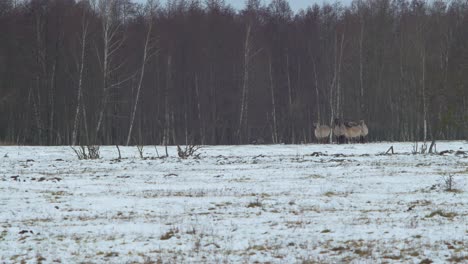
(274,129)
(81,65)
(148,52)
(112,42)
(245,82)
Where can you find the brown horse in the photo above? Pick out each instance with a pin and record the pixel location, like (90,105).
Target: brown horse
(352,132)
(339,130)
(322,132)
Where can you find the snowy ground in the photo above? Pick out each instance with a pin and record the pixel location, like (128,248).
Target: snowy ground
(236,204)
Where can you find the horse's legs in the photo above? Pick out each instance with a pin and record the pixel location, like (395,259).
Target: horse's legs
(362,139)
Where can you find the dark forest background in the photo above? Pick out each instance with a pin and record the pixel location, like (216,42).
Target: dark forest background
(95,72)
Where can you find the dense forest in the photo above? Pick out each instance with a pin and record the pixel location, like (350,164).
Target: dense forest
(120,72)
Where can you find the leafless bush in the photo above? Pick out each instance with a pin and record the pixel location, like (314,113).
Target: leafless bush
(449,183)
(419,150)
(87,152)
(189,151)
(140,150)
(424,148)
(256,203)
(94,152)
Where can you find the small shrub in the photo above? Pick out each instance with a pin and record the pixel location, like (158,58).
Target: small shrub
(256,203)
(169,234)
(419,150)
(189,151)
(140,150)
(87,152)
(449,183)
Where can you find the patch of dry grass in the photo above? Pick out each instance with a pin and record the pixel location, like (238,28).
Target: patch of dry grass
(442,213)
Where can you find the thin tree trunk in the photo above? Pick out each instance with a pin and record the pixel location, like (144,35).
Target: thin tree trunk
(40,74)
(339,103)
(145,56)
(37,115)
(273,105)
(80,82)
(166,102)
(244,98)
(332,89)
(424,94)
(443,105)
(200,120)
(317,95)
(214,114)
(361,67)
(104,77)
(85,119)
(290,100)
(52,101)
(53,83)
(110,27)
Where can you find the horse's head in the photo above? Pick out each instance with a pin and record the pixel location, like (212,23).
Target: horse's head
(337,122)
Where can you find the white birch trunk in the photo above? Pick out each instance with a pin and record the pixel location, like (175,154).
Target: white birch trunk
(332,91)
(361,67)
(140,81)
(197,91)
(424,95)
(80,82)
(110,27)
(339,103)
(293,139)
(245,89)
(317,95)
(273,106)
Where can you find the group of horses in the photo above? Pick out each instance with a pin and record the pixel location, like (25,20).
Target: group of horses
(350,131)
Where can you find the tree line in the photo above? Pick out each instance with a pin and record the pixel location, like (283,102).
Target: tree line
(201,72)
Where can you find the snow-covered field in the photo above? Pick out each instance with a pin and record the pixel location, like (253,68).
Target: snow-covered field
(235,204)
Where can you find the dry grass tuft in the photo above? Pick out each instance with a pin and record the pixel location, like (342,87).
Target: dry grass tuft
(441,213)
(169,234)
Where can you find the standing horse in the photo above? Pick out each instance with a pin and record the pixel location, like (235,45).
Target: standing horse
(322,132)
(339,130)
(353,131)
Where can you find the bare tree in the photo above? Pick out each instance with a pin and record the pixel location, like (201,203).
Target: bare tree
(423,88)
(112,42)
(290,99)
(274,129)
(339,92)
(361,60)
(79,100)
(41,66)
(167,117)
(245,85)
(199,112)
(317,94)
(148,52)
